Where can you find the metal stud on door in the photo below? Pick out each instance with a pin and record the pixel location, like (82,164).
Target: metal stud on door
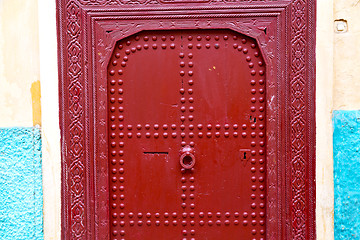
(187,136)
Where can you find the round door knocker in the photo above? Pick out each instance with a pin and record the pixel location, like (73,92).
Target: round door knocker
(187,158)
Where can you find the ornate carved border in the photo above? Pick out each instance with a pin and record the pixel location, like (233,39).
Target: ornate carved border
(87,31)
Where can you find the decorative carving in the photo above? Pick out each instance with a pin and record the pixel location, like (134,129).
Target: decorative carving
(298,122)
(148,2)
(184,1)
(75,110)
(74,43)
(117,2)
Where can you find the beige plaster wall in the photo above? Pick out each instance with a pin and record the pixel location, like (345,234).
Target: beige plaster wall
(24,26)
(19,69)
(347,57)
(19,63)
(338,88)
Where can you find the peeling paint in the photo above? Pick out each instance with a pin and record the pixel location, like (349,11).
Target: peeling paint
(36,102)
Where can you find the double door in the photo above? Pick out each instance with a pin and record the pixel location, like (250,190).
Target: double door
(186,113)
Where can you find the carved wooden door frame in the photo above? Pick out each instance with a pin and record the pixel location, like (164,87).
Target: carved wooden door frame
(285,31)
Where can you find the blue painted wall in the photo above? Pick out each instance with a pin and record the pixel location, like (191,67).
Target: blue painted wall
(347,174)
(21,201)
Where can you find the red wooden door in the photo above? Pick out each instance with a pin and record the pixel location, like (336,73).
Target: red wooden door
(187,119)
(186,112)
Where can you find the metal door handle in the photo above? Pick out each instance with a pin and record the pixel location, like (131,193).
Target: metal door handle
(187,158)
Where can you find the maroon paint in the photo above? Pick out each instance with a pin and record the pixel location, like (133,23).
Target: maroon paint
(171,137)
(175,96)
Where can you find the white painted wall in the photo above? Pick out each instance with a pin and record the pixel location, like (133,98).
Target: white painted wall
(324,106)
(50,119)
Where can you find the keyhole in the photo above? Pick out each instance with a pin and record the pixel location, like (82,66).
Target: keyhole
(252,119)
(243,156)
(187,160)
